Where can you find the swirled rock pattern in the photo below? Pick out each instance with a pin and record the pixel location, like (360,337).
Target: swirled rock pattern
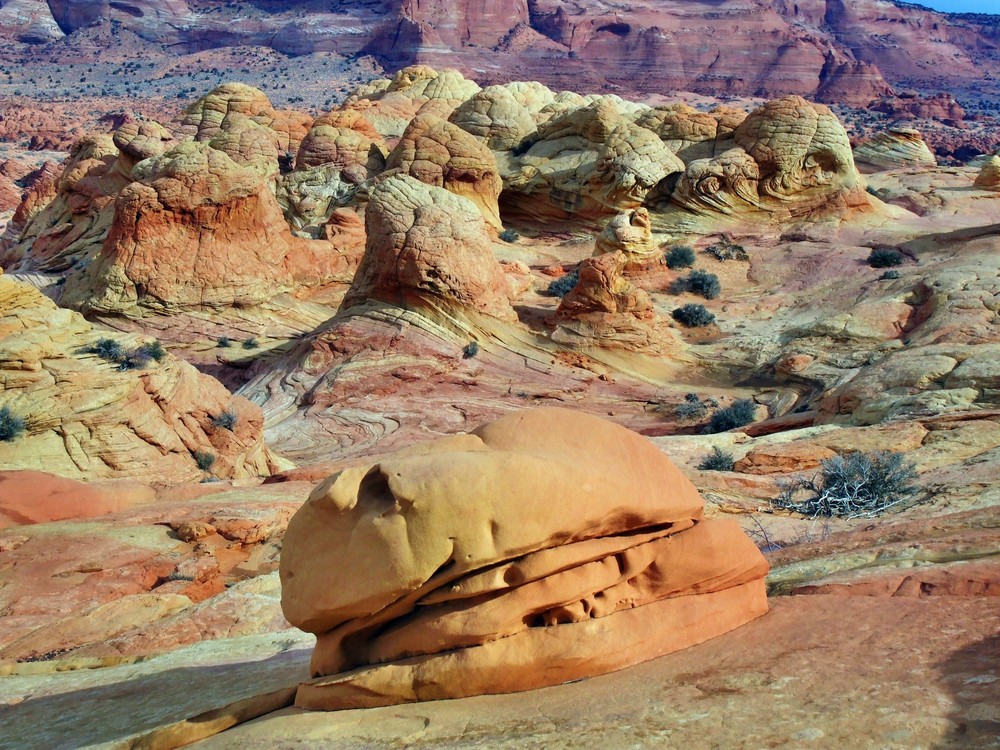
(90,417)
(436,571)
(894,149)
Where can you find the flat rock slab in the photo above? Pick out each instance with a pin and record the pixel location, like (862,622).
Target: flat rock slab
(139,705)
(818,671)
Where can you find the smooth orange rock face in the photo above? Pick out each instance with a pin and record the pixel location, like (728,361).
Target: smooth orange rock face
(546,546)
(29,497)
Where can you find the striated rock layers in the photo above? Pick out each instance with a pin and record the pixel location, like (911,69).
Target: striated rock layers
(124,414)
(196,229)
(544,547)
(427,246)
(894,149)
(989,174)
(791,158)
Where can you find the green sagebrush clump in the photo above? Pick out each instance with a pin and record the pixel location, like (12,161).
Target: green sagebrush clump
(680,256)
(11,425)
(564,284)
(509,235)
(717,460)
(859,485)
(223,342)
(738,414)
(251,343)
(885,257)
(693,316)
(470,350)
(698,282)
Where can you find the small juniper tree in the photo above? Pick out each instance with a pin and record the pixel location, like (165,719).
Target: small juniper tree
(717,460)
(693,316)
(885,257)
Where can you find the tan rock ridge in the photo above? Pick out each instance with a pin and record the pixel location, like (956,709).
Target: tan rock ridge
(437,572)
(94,417)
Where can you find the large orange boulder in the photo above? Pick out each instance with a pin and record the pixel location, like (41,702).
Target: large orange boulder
(543,547)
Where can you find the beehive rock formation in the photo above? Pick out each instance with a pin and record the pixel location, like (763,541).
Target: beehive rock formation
(439,153)
(989,174)
(894,148)
(628,232)
(543,547)
(428,246)
(196,229)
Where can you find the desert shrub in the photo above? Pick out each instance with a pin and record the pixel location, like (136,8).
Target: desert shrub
(11,425)
(226,420)
(738,414)
(135,359)
(470,350)
(680,256)
(885,257)
(889,275)
(860,485)
(717,460)
(108,349)
(692,408)
(251,343)
(509,235)
(726,249)
(223,342)
(204,460)
(564,284)
(693,316)
(154,350)
(698,282)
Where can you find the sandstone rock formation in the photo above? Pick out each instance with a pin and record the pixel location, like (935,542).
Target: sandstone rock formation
(472,586)
(197,230)
(344,139)
(629,232)
(989,174)
(427,246)
(692,134)
(439,153)
(894,149)
(496,116)
(118,415)
(585,164)
(792,158)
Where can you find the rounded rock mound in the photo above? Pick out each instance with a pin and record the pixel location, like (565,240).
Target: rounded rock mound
(543,547)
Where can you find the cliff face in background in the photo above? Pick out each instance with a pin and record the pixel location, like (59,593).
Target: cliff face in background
(833,50)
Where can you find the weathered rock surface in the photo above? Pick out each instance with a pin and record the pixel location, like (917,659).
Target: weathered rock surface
(894,149)
(425,243)
(629,232)
(439,153)
(29,497)
(437,618)
(89,417)
(198,230)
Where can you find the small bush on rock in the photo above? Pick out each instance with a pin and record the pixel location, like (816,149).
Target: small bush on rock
(681,256)
(223,342)
(250,343)
(740,413)
(564,284)
(889,275)
(226,420)
(509,235)
(885,257)
(470,350)
(203,460)
(861,485)
(693,316)
(717,460)
(11,425)
(108,349)
(726,249)
(154,350)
